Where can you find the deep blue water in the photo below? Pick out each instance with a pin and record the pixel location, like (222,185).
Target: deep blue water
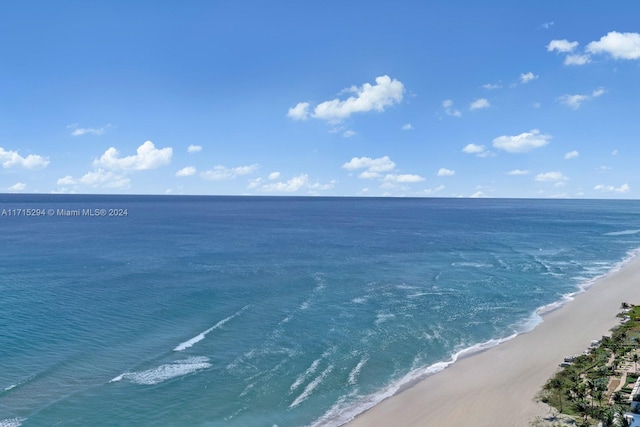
(243,311)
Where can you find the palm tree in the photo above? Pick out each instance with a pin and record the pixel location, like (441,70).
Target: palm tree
(556,384)
(607,416)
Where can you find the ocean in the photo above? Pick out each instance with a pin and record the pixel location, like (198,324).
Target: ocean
(268,311)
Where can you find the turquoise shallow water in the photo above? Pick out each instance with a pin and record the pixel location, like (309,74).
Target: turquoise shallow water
(236,311)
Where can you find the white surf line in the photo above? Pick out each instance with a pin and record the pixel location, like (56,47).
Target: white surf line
(303,377)
(190,342)
(353,375)
(310,387)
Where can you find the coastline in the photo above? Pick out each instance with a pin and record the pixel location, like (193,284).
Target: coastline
(497,386)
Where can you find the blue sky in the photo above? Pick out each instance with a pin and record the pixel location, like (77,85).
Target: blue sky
(421,99)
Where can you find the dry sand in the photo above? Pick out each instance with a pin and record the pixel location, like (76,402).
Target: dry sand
(497,387)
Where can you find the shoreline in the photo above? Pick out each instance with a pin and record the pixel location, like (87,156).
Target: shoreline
(496,386)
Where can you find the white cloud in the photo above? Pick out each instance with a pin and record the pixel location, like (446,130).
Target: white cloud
(300,111)
(618,45)
(479,103)
(194,148)
(615,152)
(102,178)
(624,188)
(434,190)
(67,180)
(318,186)
(403,179)
(547,25)
(222,173)
(446,172)
(571,154)
(536,105)
(551,177)
(381,164)
(348,133)
(516,172)
(522,143)
(77,131)
(563,46)
(478,194)
(18,186)
(147,157)
(473,149)
(369,175)
(491,86)
(447,104)
(577,59)
(575,101)
(384,93)
(478,150)
(527,77)
(186,171)
(10,158)
(290,186)
(407,127)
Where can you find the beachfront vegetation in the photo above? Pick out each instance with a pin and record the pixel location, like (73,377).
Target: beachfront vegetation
(597,386)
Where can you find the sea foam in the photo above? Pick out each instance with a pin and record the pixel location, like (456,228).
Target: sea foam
(166,372)
(190,342)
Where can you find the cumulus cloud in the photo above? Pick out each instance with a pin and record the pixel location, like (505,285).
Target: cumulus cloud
(479,103)
(446,172)
(618,45)
(478,150)
(292,185)
(300,111)
(147,157)
(551,177)
(372,167)
(478,194)
(516,172)
(565,46)
(194,148)
(10,159)
(575,101)
(222,173)
(447,104)
(434,190)
(368,97)
(78,131)
(562,46)
(407,127)
(473,149)
(18,186)
(522,143)
(577,59)
(624,188)
(571,154)
(98,178)
(186,171)
(67,180)
(527,77)
(403,179)
(274,175)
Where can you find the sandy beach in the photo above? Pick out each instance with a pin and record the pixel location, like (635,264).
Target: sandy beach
(497,387)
